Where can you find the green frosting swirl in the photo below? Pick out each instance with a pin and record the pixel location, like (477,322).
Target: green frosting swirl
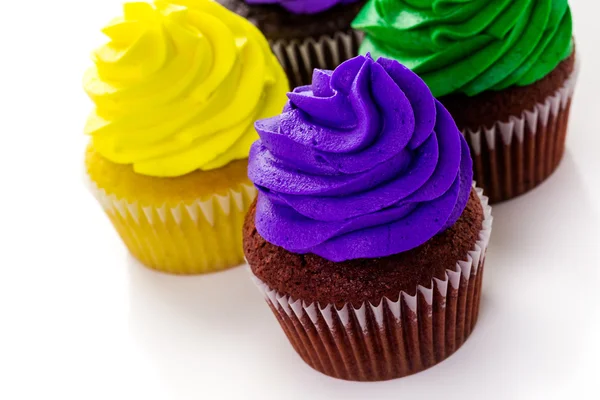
(469,46)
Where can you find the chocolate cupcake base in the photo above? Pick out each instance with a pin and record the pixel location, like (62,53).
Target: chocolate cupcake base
(395,336)
(514,150)
(514,157)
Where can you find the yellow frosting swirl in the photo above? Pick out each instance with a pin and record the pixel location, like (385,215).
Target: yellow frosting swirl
(179,86)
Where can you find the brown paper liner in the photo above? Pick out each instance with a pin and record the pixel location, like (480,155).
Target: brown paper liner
(300,57)
(511,158)
(396,337)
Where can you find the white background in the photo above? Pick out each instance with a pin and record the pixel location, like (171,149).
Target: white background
(80,319)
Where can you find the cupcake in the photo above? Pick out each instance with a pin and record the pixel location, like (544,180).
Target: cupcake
(367,237)
(176,94)
(304,34)
(504,69)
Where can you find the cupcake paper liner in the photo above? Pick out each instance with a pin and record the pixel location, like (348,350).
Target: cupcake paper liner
(395,337)
(300,57)
(513,157)
(188,238)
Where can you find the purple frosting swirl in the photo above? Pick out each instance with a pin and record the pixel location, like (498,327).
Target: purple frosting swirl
(364,163)
(303,6)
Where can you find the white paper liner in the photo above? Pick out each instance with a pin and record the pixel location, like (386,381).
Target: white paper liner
(398,336)
(514,156)
(300,57)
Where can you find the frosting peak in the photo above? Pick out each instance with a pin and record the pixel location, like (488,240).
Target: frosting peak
(469,46)
(364,163)
(303,6)
(178,87)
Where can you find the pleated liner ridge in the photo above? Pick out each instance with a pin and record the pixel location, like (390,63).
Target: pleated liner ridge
(513,157)
(199,237)
(300,57)
(395,337)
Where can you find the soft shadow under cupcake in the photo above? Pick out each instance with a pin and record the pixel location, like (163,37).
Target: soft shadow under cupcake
(184,325)
(539,247)
(203,301)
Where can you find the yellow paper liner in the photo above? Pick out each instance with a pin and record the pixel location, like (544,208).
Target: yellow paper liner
(396,337)
(187,238)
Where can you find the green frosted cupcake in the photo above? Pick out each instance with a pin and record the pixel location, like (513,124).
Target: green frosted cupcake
(505,69)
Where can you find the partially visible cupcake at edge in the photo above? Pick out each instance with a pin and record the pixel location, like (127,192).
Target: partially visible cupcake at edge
(367,236)
(176,94)
(505,69)
(304,34)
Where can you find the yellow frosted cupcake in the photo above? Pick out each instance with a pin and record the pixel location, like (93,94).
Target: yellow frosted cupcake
(177,90)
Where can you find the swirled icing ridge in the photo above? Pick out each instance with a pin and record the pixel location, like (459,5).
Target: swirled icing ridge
(364,163)
(303,6)
(178,88)
(469,46)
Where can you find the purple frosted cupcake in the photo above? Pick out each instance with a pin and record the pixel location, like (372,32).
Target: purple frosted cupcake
(304,34)
(367,236)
